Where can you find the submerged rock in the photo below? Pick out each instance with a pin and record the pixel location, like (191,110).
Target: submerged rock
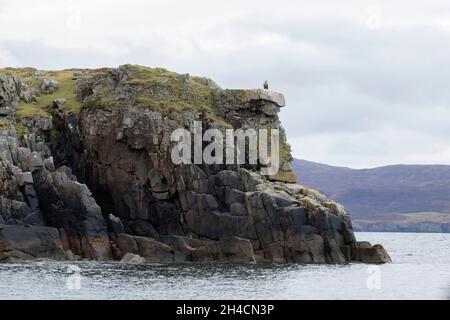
(15,256)
(131,258)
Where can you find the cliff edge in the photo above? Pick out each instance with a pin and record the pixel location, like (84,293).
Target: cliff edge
(86,171)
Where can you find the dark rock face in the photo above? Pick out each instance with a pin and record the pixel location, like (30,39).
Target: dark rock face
(69,205)
(143,205)
(33,195)
(29,242)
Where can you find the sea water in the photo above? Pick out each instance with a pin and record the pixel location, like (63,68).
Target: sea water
(420,270)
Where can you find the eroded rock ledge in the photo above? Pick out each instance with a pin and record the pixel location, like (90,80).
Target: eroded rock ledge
(96,180)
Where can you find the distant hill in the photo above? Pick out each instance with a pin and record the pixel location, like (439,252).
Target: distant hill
(379,194)
(409,222)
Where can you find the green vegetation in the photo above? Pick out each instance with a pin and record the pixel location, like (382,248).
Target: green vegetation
(155,88)
(167,91)
(42,106)
(23,73)
(4,122)
(221,120)
(20,130)
(30,110)
(285,151)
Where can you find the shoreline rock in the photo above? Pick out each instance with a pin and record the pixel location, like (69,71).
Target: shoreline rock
(100,184)
(374,254)
(24,242)
(131,258)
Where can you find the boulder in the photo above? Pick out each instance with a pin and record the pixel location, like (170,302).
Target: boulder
(24,178)
(154,251)
(230,250)
(71,256)
(13,210)
(126,244)
(25,92)
(15,256)
(142,228)
(48,86)
(115,224)
(49,164)
(181,245)
(209,251)
(33,241)
(34,162)
(77,75)
(149,248)
(236,250)
(58,103)
(367,253)
(266,95)
(131,258)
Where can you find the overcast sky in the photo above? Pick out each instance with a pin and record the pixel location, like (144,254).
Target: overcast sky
(367,83)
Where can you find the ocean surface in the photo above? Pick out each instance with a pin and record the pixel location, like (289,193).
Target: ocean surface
(420,270)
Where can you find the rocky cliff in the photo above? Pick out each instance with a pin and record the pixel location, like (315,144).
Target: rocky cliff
(86,172)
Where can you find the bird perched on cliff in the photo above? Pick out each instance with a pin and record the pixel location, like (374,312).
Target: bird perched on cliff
(266,85)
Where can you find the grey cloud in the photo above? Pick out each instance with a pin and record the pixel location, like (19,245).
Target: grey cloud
(407,65)
(355,96)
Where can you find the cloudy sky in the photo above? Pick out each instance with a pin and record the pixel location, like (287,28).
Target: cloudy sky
(367,83)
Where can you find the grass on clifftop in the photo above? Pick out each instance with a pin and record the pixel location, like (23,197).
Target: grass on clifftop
(44,102)
(155,88)
(4,122)
(164,90)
